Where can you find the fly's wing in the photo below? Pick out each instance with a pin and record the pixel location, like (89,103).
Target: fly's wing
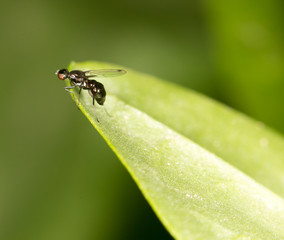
(101,73)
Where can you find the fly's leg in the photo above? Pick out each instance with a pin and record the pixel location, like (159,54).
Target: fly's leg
(95,109)
(79,97)
(67,90)
(107,111)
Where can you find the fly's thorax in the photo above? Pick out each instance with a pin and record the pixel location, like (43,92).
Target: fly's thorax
(77,76)
(77,73)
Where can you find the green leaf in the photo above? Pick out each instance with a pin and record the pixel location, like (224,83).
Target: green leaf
(180,146)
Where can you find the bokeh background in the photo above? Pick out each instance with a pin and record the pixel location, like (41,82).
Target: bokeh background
(58,178)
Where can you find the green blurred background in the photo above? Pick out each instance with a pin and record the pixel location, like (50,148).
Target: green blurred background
(58,178)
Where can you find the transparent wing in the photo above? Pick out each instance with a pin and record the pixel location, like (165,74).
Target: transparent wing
(101,73)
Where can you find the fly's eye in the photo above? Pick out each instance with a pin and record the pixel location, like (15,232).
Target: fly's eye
(62,74)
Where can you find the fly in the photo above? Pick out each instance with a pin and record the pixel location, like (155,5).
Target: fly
(81,79)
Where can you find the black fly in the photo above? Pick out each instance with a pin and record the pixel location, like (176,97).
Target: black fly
(81,79)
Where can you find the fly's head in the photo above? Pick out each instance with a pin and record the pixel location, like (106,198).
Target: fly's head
(62,74)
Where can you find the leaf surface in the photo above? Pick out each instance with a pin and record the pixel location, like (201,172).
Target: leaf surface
(180,146)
